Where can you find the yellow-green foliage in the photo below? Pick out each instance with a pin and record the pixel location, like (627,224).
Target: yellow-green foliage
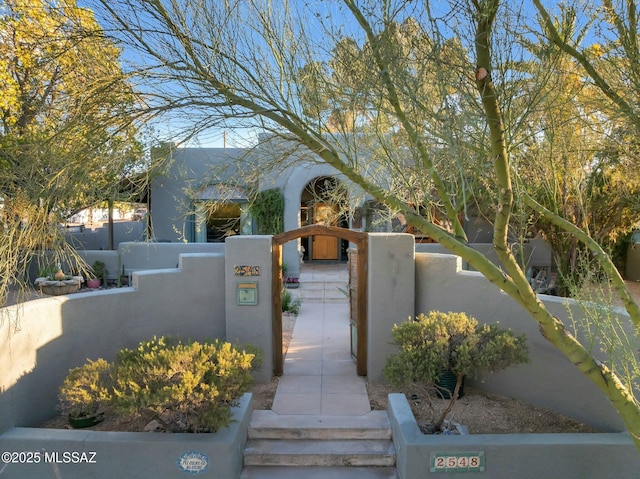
(430,344)
(86,388)
(437,342)
(197,382)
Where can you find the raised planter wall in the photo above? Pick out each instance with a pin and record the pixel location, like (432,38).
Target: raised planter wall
(522,456)
(141,455)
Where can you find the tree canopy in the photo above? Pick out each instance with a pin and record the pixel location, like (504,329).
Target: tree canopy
(68,131)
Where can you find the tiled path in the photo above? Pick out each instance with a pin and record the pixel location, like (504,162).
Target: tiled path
(319,372)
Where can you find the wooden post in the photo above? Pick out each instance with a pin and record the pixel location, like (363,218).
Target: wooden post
(276,264)
(361,362)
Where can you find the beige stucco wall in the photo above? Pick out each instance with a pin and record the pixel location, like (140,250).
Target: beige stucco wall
(549,380)
(41,340)
(391,299)
(251,323)
(141,255)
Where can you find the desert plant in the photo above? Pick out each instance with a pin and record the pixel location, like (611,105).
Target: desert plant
(87,389)
(433,344)
(191,385)
(47,271)
(100,271)
(289,305)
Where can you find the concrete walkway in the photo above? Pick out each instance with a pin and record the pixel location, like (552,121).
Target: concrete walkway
(320,425)
(319,373)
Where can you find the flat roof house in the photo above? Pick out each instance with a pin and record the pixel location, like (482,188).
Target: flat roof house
(205,193)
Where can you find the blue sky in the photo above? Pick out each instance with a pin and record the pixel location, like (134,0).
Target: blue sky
(332,11)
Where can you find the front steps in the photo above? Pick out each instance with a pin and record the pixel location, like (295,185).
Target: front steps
(275,472)
(319,446)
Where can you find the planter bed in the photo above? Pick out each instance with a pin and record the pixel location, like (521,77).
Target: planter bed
(525,456)
(96,454)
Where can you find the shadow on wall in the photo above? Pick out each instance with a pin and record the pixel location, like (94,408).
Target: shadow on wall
(550,380)
(55,334)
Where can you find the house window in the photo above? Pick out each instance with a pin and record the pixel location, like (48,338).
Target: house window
(220,211)
(217,221)
(223,221)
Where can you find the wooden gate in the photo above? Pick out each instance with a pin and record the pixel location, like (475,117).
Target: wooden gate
(355,237)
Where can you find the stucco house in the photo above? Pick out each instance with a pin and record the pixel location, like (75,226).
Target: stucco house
(195,179)
(182,202)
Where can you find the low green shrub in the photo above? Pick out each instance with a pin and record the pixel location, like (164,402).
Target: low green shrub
(438,342)
(190,386)
(290,305)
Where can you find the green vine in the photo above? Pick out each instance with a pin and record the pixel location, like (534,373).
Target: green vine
(268,211)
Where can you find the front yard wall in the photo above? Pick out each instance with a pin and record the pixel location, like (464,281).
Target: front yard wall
(141,455)
(142,256)
(549,380)
(42,339)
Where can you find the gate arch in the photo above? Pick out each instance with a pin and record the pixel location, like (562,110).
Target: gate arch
(361,241)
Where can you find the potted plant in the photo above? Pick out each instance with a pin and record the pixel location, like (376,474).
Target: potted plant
(292,282)
(52,280)
(98,275)
(438,345)
(85,393)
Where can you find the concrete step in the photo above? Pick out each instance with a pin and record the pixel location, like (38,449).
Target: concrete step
(312,452)
(322,284)
(327,291)
(266,424)
(277,472)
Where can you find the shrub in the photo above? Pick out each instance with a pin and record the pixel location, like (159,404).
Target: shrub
(289,305)
(86,389)
(433,344)
(191,386)
(99,271)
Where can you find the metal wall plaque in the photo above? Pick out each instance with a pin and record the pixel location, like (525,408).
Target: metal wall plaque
(457,462)
(247,293)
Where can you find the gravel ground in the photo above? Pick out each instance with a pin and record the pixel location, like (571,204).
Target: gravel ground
(484,413)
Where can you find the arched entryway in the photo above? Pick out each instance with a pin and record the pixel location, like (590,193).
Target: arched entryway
(360,302)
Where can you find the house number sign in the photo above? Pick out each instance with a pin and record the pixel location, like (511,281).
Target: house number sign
(457,462)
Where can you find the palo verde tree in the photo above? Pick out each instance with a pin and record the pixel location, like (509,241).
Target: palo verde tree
(268,65)
(68,137)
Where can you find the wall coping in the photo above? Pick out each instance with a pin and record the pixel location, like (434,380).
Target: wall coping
(531,455)
(119,454)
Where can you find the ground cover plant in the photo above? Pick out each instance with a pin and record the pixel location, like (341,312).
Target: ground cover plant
(189,386)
